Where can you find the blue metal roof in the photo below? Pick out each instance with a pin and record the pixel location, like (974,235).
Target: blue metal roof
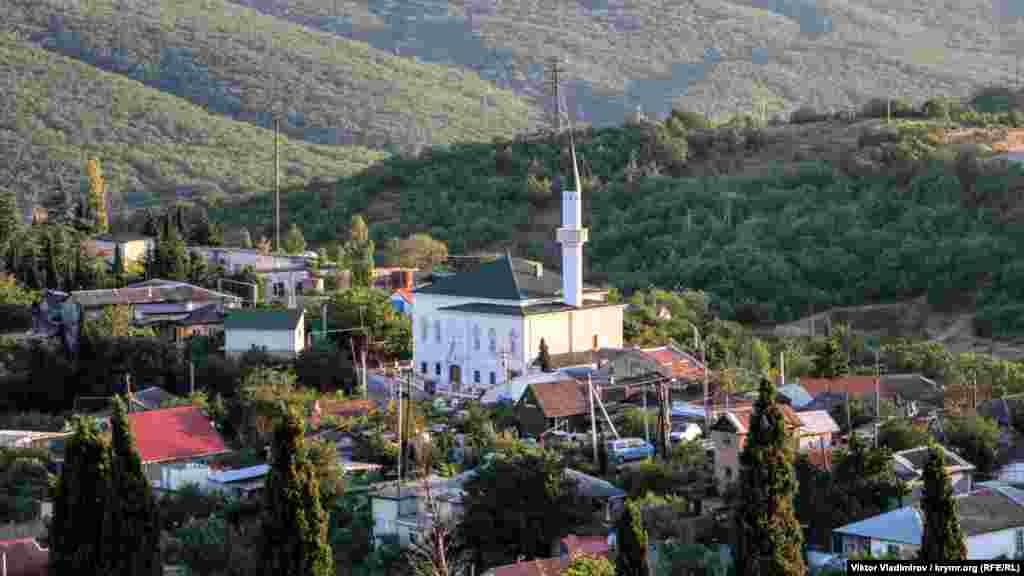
(902,525)
(686,410)
(798,397)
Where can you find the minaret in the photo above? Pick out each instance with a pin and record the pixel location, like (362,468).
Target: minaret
(572,235)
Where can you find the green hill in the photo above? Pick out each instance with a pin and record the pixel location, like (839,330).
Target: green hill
(56,112)
(238,62)
(772,243)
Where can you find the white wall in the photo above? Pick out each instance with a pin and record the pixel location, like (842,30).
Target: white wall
(993,544)
(241,341)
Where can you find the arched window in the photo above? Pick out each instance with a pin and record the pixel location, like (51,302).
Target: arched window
(437,330)
(424,329)
(476,336)
(513,341)
(492,341)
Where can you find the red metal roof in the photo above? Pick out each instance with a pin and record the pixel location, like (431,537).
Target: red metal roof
(743,414)
(678,365)
(546,567)
(24,557)
(854,385)
(178,433)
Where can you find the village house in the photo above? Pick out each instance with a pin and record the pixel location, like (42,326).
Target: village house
(175,444)
(729,435)
(992,519)
(278,332)
(816,429)
(559,405)
(204,321)
(484,326)
(909,465)
(569,547)
(133,247)
(912,394)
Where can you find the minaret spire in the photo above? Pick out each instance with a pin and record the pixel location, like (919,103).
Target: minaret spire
(571,235)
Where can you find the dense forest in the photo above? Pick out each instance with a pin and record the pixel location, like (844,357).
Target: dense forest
(768,247)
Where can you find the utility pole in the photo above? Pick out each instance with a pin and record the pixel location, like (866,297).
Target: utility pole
(401,452)
(277,184)
(647,433)
(191,377)
(878,396)
(593,420)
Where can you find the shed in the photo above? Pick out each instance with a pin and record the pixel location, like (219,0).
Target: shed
(281,332)
(547,405)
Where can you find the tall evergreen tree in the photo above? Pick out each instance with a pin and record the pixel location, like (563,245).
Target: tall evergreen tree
(359,253)
(544,358)
(943,538)
(77,545)
(769,537)
(10,218)
(294,241)
(132,529)
(831,361)
(295,522)
(96,197)
(631,542)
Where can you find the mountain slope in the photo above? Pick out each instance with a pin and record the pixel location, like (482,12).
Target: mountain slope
(719,57)
(56,112)
(236,61)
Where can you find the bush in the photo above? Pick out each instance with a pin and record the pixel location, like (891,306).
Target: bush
(879,108)
(935,108)
(690,120)
(804,115)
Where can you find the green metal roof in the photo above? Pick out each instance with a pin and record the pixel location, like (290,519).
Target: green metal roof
(506,278)
(262,319)
(535,310)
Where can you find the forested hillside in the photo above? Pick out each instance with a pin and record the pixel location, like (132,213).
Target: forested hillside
(238,62)
(769,246)
(56,113)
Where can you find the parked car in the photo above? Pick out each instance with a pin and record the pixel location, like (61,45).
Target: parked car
(688,433)
(628,450)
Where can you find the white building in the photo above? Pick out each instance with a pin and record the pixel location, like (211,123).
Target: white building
(992,519)
(285,275)
(278,332)
(482,326)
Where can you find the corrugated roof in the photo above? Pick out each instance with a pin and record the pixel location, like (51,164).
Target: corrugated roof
(797,396)
(263,319)
(678,363)
(817,422)
(561,399)
(902,525)
(150,294)
(915,459)
(178,433)
(514,389)
(209,314)
(228,476)
(24,557)
(856,386)
(740,416)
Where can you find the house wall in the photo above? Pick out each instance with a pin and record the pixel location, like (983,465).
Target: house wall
(994,544)
(275,341)
(727,457)
(574,331)
(815,441)
(135,251)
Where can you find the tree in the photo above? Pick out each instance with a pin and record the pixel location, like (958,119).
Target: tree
(943,538)
(831,361)
(437,554)
(246,238)
(97,197)
(295,522)
(133,529)
(863,484)
(324,367)
(76,537)
(359,253)
(371,309)
(976,438)
(421,251)
(588,565)
(203,232)
(631,543)
(899,434)
(544,358)
(769,537)
(517,506)
(10,218)
(294,242)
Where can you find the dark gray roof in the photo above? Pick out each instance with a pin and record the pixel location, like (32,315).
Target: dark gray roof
(502,279)
(535,310)
(263,319)
(209,314)
(913,387)
(153,397)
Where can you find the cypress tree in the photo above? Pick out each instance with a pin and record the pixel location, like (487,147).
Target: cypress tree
(295,522)
(544,358)
(631,542)
(133,532)
(943,538)
(769,537)
(77,545)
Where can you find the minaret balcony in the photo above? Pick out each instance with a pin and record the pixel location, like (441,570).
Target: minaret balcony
(572,235)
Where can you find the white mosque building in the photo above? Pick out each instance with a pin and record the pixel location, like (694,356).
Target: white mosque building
(480,327)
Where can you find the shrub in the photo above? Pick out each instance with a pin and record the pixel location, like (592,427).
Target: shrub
(690,120)
(804,115)
(879,108)
(935,108)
